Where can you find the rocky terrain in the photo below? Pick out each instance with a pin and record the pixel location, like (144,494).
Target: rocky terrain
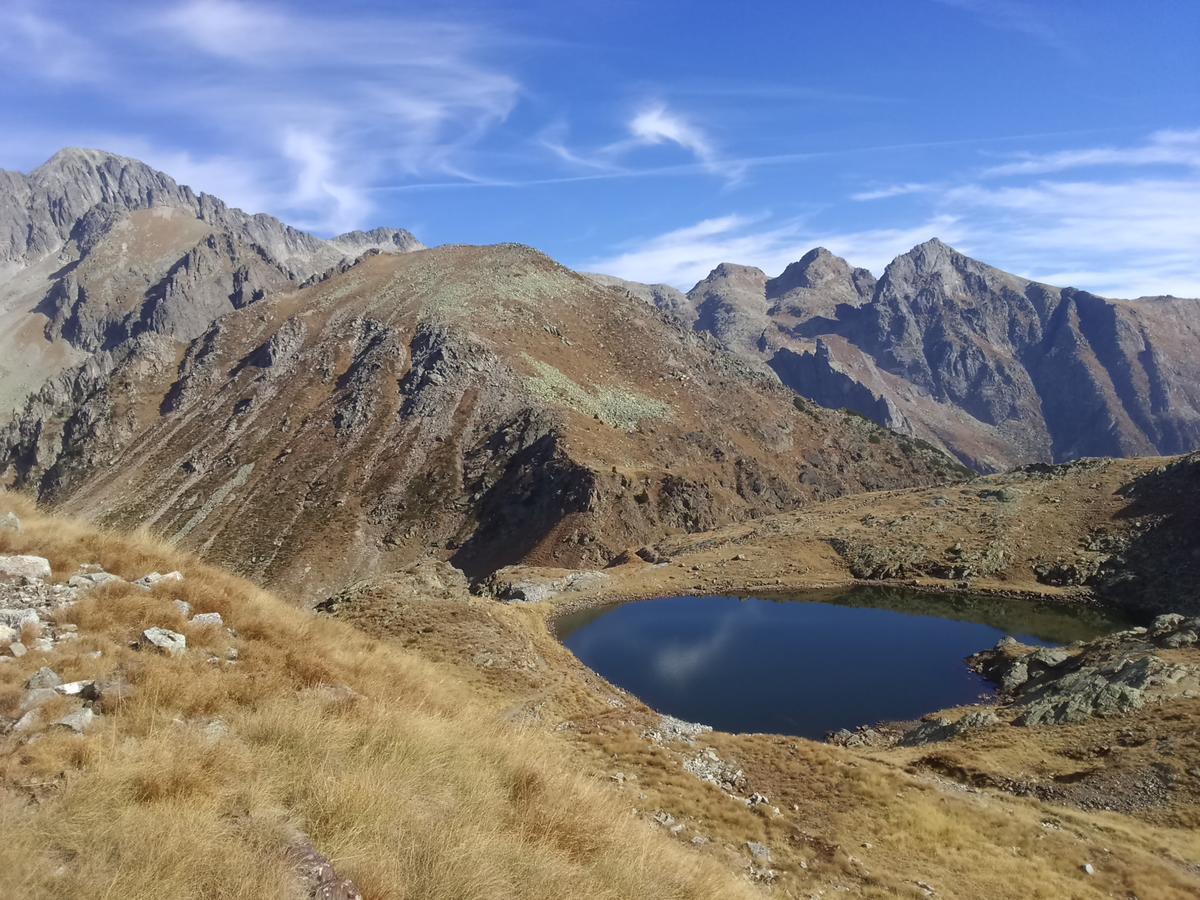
(98,249)
(301,409)
(999,370)
(1078,779)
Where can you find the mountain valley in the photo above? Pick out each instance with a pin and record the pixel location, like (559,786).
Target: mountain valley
(380,476)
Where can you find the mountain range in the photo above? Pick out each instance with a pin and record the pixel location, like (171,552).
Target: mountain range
(300,409)
(996,369)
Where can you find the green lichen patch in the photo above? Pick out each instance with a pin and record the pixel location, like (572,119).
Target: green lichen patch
(617,407)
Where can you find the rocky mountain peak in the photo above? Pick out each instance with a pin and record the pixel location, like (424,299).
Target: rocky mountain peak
(387,239)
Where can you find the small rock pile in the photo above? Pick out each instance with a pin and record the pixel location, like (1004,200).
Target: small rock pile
(29,604)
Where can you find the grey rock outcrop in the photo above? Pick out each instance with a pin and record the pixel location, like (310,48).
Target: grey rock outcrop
(1104,677)
(172,643)
(996,369)
(98,249)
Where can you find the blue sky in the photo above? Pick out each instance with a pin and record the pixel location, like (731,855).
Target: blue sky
(1057,140)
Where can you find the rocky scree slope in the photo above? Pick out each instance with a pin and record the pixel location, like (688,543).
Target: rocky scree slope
(999,370)
(483,404)
(97,249)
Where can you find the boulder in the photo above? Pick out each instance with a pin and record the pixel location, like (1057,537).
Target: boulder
(163,640)
(78,721)
(939,729)
(37,697)
(146,582)
(760,852)
(45,677)
(208,619)
(85,690)
(87,580)
(36,567)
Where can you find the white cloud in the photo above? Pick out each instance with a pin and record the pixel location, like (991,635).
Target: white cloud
(684,256)
(309,107)
(1124,239)
(655,124)
(903,189)
(61,55)
(1024,18)
(652,125)
(1162,148)
(1132,232)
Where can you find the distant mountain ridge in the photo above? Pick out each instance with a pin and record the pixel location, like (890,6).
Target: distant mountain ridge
(997,369)
(96,248)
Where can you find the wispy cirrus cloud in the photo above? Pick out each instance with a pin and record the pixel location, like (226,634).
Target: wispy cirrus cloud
(310,106)
(1029,19)
(652,124)
(1162,148)
(683,256)
(1132,232)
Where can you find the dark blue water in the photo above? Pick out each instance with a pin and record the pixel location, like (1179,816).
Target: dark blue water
(809,666)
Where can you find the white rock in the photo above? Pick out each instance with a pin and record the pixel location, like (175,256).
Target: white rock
(15,618)
(76,688)
(37,697)
(16,648)
(25,566)
(208,619)
(78,721)
(146,582)
(29,721)
(93,580)
(10,522)
(8,634)
(1089,869)
(45,677)
(163,640)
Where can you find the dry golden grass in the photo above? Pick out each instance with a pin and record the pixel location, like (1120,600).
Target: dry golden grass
(196,785)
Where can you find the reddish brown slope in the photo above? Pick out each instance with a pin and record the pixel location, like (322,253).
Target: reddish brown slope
(481,403)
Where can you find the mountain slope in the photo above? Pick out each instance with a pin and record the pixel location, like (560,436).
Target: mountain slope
(250,761)
(998,369)
(479,403)
(96,249)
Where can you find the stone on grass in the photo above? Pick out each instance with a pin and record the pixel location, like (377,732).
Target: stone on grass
(29,721)
(45,677)
(146,582)
(17,649)
(10,522)
(79,721)
(163,640)
(89,580)
(208,619)
(37,567)
(85,689)
(759,851)
(37,697)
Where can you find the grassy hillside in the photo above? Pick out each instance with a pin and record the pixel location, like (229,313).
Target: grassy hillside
(206,775)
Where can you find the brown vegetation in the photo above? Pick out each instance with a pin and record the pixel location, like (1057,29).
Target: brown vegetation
(198,783)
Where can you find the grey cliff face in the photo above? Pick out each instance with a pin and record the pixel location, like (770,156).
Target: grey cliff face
(97,249)
(996,369)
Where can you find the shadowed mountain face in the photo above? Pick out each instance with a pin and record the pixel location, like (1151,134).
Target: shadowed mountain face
(997,369)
